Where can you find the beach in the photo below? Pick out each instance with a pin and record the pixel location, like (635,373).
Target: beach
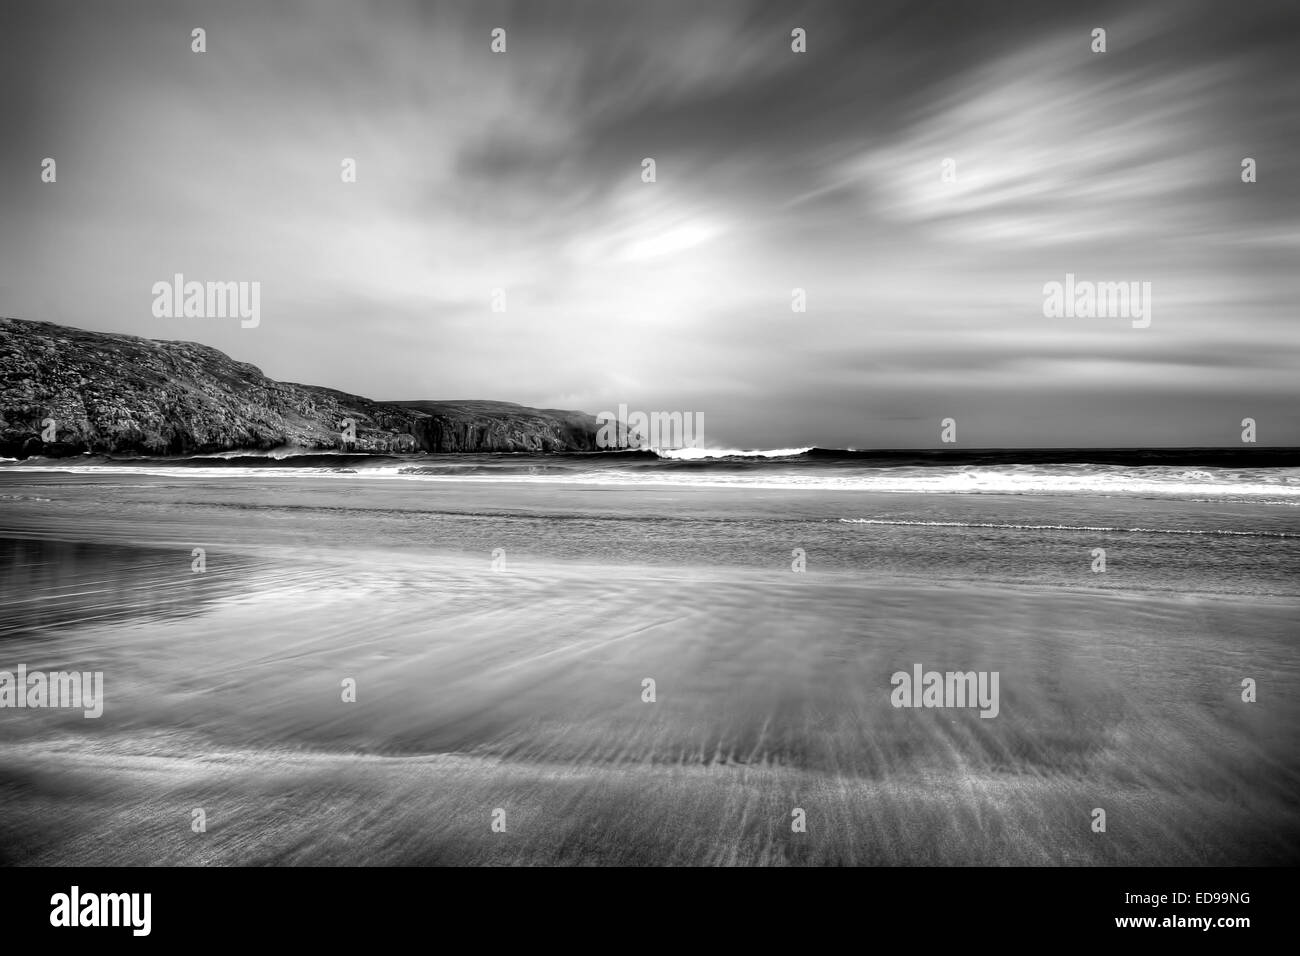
(499,636)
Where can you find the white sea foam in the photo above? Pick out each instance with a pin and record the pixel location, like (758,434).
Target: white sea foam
(1274,485)
(694,454)
(1066,527)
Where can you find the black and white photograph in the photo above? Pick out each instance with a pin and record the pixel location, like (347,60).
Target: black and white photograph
(580,434)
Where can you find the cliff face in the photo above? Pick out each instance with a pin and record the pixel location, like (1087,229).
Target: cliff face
(500,426)
(64,391)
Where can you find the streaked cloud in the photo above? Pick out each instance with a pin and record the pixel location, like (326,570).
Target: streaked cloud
(775,170)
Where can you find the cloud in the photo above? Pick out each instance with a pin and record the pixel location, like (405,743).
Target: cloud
(775,170)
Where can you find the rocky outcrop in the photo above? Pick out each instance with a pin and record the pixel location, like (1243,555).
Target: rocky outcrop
(65,391)
(501,426)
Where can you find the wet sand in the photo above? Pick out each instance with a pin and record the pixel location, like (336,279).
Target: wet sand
(521,689)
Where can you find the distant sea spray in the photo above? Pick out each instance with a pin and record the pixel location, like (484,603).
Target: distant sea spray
(649,430)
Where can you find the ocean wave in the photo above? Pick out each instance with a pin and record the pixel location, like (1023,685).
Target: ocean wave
(1246,476)
(1260,487)
(694,454)
(1068,527)
(1194,464)
(277,454)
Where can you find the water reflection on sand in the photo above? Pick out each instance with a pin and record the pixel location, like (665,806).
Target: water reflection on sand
(521,689)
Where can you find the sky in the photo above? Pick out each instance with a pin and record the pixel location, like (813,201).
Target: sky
(775,170)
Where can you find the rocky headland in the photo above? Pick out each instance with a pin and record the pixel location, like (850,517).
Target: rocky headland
(66,391)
